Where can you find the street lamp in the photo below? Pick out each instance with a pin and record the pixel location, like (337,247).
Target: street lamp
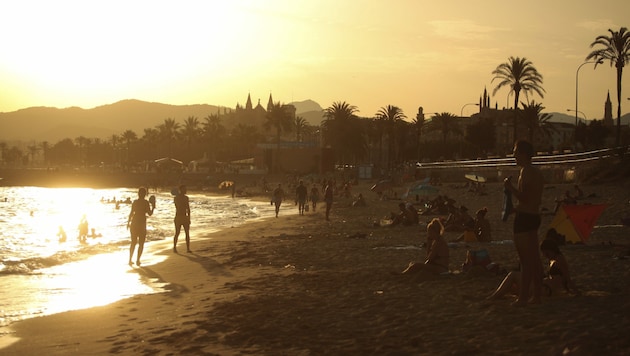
(577,72)
(461,113)
(585,119)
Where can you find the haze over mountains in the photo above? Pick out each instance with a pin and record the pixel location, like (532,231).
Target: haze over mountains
(53,124)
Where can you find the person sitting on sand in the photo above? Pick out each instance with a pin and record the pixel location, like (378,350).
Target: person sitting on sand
(408,215)
(482,226)
(557,280)
(359,202)
(567,200)
(437,251)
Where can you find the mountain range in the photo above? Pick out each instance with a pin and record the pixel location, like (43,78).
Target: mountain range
(53,124)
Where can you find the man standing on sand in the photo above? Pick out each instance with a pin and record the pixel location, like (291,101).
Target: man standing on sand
(328,197)
(182,217)
(527,221)
(300,196)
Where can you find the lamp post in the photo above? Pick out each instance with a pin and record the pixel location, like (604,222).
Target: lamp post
(585,119)
(577,73)
(461,113)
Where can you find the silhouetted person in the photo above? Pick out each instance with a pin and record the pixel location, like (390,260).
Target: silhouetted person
(328,197)
(137,223)
(300,195)
(278,195)
(182,217)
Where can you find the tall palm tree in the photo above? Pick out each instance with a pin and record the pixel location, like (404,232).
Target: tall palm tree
(214,134)
(300,124)
(519,74)
(280,119)
(168,132)
(342,131)
(616,49)
(190,130)
(390,115)
(445,123)
(536,121)
(128,136)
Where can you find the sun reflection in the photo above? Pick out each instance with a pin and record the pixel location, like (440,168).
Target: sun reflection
(100,280)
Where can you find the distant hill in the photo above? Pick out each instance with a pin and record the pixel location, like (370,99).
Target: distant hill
(310,111)
(53,124)
(570,119)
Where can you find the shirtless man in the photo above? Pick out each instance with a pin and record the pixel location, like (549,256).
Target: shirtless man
(137,223)
(182,217)
(528,192)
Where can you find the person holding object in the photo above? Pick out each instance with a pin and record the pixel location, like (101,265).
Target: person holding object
(528,192)
(182,217)
(137,222)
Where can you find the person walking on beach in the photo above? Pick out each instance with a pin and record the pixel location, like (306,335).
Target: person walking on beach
(328,197)
(314,196)
(137,223)
(278,195)
(300,196)
(528,192)
(182,217)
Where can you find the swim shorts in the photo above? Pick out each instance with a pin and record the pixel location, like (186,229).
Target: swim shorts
(182,220)
(526,222)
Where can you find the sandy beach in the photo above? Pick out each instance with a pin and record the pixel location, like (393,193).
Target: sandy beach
(299,285)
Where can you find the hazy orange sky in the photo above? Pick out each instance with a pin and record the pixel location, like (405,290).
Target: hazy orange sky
(409,53)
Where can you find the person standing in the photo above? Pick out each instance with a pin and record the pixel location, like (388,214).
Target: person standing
(528,192)
(182,217)
(300,196)
(137,222)
(314,196)
(278,195)
(328,197)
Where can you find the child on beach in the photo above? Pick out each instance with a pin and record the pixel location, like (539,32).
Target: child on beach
(182,217)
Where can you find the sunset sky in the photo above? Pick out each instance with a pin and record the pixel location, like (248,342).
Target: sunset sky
(408,53)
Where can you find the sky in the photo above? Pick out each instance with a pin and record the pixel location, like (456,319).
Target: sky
(438,55)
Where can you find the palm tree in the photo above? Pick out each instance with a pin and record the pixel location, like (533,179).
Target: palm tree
(390,115)
(342,132)
(280,119)
(536,121)
(616,49)
(168,132)
(519,74)
(32,151)
(214,133)
(445,123)
(128,136)
(190,130)
(300,124)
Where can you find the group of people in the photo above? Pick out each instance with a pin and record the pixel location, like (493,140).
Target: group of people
(529,281)
(142,208)
(302,197)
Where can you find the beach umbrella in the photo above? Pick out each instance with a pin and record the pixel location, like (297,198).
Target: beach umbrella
(576,222)
(475,178)
(422,190)
(382,186)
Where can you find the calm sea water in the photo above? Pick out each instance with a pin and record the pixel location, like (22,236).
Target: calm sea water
(41,275)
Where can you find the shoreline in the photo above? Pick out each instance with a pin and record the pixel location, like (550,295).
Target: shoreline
(301,285)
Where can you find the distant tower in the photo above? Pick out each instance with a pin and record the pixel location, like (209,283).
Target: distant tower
(608,119)
(270,103)
(248,105)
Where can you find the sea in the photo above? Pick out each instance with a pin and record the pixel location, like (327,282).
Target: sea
(43,274)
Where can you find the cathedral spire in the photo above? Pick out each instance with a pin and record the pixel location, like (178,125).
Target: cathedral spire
(248,105)
(270,103)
